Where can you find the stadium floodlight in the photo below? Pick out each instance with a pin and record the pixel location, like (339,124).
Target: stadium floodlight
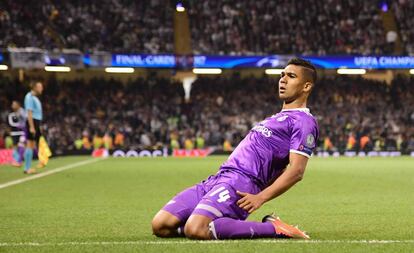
(351,71)
(273,71)
(4,67)
(119,70)
(179,7)
(412,71)
(57,68)
(207,71)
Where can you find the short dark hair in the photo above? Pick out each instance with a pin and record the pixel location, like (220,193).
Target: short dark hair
(33,83)
(306,64)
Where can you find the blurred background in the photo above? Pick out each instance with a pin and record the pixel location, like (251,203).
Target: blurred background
(190,78)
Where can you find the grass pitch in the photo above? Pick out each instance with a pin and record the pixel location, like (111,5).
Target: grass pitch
(345,204)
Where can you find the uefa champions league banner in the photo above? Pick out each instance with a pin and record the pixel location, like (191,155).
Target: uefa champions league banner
(229,62)
(368,62)
(99,59)
(143,60)
(270,61)
(38,58)
(198,61)
(324,62)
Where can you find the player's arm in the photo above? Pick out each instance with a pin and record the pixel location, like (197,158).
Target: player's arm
(11,121)
(29,105)
(30,120)
(293,174)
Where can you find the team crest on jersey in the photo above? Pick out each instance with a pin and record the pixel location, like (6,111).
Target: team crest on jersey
(310,140)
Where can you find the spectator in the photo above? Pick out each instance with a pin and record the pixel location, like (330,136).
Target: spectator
(104,25)
(403,10)
(280,27)
(152,112)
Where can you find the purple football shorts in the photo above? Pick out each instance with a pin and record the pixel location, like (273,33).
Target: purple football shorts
(214,197)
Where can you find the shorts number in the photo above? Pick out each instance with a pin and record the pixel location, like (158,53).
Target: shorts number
(223,194)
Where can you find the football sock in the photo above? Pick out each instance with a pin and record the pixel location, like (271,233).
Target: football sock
(227,228)
(28,156)
(15,155)
(180,231)
(20,153)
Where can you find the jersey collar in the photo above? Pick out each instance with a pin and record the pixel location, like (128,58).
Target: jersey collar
(297,109)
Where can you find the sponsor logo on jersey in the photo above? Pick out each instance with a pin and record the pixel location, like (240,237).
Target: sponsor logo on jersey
(266,132)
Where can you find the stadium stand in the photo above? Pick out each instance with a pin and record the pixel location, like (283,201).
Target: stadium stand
(270,27)
(226,27)
(353,113)
(403,11)
(153,111)
(116,26)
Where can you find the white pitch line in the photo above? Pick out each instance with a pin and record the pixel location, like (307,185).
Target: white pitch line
(167,242)
(49,172)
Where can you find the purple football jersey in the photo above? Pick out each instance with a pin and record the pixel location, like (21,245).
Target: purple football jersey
(264,153)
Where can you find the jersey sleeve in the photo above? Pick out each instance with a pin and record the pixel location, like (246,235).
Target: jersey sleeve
(22,115)
(28,103)
(304,137)
(11,119)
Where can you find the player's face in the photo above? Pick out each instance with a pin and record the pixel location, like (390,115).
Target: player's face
(292,83)
(38,88)
(15,106)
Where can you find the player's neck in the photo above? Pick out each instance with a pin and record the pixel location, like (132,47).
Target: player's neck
(294,104)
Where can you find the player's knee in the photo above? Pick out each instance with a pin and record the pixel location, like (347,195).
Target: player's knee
(165,224)
(198,231)
(160,228)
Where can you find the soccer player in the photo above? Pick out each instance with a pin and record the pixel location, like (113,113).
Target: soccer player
(34,113)
(17,119)
(266,163)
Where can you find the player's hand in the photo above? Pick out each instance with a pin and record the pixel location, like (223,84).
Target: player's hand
(32,130)
(249,202)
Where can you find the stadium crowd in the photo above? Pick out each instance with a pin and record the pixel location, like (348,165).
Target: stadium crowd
(104,25)
(353,113)
(272,27)
(403,10)
(224,27)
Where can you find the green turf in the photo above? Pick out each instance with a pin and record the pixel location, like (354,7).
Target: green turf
(340,199)
(9,173)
